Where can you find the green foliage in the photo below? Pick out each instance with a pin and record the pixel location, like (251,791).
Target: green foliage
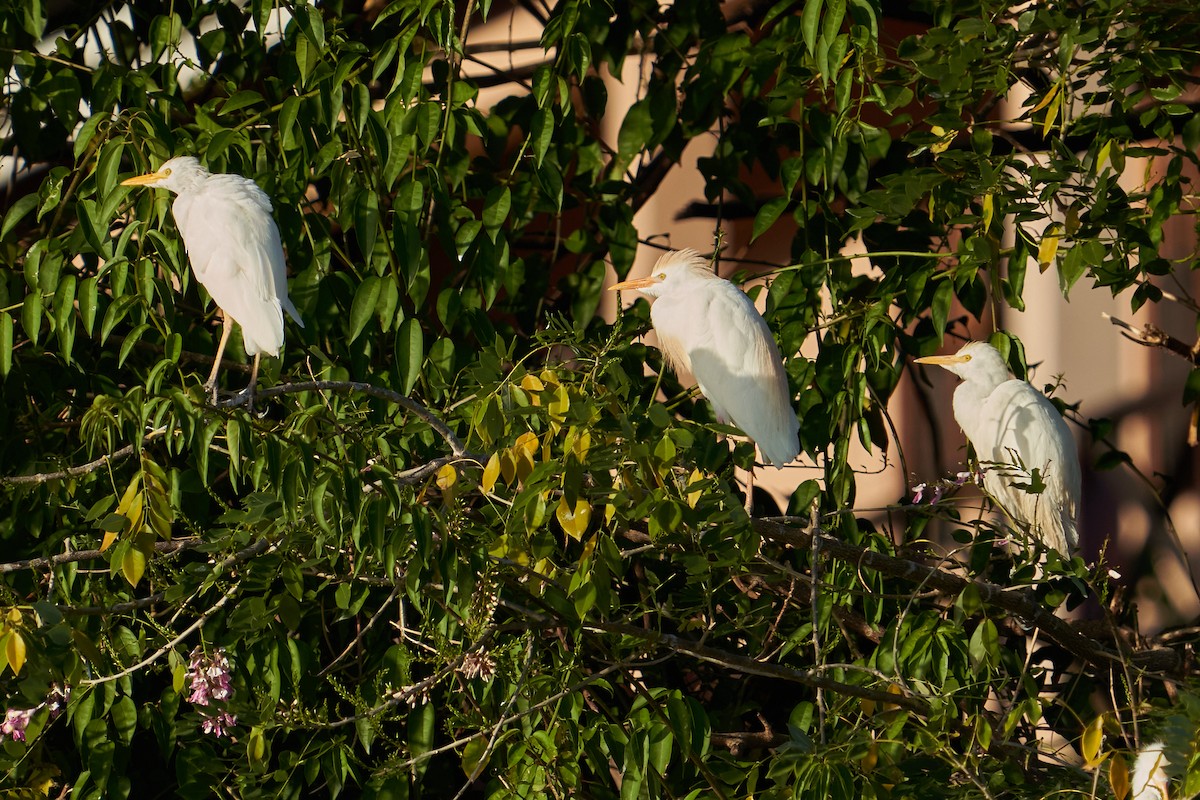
(469,546)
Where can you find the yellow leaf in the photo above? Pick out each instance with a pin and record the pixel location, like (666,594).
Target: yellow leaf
(989,209)
(945,139)
(583,443)
(560,404)
(1093,736)
(14,650)
(132,503)
(869,761)
(1102,156)
(1048,248)
(1051,112)
(575,520)
(532,383)
(610,511)
(256,748)
(589,547)
(106,542)
(133,565)
(1048,99)
(491,473)
(693,496)
(527,442)
(549,378)
(508,467)
(131,491)
(523,463)
(447,476)
(1118,776)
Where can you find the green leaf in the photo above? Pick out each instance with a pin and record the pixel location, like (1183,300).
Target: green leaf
(540,134)
(16,212)
(496,207)
(421,731)
(1191,389)
(311,24)
(635,132)
(6,343)
(810,24)
(939,310)
(31,316)
(88,296)
(767,214)
(410,353)
(240,100)
(363,307)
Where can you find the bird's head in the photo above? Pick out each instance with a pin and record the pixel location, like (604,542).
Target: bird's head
(177,174)
(975,361)
(673,270)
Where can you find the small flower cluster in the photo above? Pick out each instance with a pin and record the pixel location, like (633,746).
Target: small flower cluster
(16,720)
(938,489)
(478,664)
(209,679)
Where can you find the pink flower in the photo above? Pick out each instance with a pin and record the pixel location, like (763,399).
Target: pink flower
(918,493)
(209,677)
(15,722)
(219,725)
(210,680)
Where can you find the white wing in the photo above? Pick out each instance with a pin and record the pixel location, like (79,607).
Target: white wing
(235,251)
(1019,425)
(735,361)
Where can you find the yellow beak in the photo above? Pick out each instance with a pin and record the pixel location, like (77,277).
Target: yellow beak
(954,359)
(149,179)
(635,283)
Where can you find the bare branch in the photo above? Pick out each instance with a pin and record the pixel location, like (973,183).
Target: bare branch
(82,469)
(435,422)
(1019,602)
(162,548)
(1153,336)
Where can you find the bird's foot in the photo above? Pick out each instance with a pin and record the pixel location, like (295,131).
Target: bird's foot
(210,388)
(244,398)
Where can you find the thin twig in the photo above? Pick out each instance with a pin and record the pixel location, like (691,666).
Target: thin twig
(435,422)
(1020,602)
(1153,336)
(82,469)
(160,652)
(162,548)
(357,639)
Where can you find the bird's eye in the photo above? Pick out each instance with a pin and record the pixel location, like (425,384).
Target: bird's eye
(967,357)
(166,172)
(662,276)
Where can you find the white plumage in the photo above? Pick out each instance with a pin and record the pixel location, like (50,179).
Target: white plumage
(234,247)
(1015,429)
(709,327)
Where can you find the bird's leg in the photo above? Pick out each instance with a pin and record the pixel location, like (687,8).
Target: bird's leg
(248,392)
(226,328)
(750,485)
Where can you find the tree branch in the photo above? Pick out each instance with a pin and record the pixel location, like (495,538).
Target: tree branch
(1018,602)
(82,469)
(1153,336)
(162,548)
(435,422)
(752,666)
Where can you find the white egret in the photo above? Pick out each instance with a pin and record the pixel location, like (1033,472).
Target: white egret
(1015,429)
(709,327)
(233,245)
